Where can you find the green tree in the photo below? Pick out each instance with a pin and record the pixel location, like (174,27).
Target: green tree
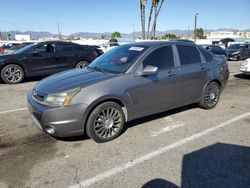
(116,35)
(200,33)
(170,36)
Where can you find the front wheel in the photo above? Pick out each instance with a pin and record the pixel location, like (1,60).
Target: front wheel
(210,96)
(12,74)
(106,122)
(81,64)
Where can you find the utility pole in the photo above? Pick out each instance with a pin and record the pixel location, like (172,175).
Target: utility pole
(133,31)
(59,32)
(195,26)
(188,31)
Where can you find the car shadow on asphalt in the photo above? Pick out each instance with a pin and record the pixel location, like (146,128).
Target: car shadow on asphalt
(242,76)
(158,116)
(132,123)
(219,165)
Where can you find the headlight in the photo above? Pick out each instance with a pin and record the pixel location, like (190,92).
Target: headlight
(235,53)
(61,99)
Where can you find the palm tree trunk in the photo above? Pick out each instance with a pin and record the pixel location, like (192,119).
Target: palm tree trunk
(149,21)
(142,7)
(155,18)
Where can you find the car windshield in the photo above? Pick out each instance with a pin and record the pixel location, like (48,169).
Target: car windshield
(236,46)
(118,60)
(20,51)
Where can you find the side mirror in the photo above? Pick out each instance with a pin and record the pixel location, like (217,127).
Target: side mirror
(149,70)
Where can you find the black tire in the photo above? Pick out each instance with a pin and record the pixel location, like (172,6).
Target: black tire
(81,64)
(12,74)
(210,96)
(105,122)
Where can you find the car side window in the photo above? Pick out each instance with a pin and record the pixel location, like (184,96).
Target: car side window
(46,48)
(61,47)
(188,55)
(161,58)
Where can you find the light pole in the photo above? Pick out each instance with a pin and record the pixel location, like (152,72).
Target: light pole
(195,26)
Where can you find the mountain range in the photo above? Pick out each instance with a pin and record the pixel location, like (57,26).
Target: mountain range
(42,34)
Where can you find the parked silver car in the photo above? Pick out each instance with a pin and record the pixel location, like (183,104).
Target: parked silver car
(126,83)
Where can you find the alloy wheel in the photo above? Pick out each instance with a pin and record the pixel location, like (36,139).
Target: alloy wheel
(108,122)
(13,74)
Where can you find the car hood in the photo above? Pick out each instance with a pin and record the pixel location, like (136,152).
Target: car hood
(71,79)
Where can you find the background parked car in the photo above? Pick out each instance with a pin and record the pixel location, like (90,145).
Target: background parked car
(239,51)
(245,68)
(42,59)
(1,49)
(215,49)
(97,49)
(16,47)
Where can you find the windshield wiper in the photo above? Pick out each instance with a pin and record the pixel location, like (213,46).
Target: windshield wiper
(97,69)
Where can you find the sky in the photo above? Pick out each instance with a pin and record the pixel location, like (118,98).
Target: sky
(119,15)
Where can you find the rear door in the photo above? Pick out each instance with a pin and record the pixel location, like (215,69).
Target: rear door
(155,93)
(64,56)
(194,72)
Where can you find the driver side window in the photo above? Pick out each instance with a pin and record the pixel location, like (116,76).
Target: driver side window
(46,48)
(161,58)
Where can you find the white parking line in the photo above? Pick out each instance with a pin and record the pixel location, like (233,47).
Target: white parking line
(167,129)
(155,153)
(14,110)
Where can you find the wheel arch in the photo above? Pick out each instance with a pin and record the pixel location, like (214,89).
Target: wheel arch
(116,100)
(14,63)
(217,80)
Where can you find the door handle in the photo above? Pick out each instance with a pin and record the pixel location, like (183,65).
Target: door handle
(170,74)
(203,67)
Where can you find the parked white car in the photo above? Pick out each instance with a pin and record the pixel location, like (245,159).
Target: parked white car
(245,68)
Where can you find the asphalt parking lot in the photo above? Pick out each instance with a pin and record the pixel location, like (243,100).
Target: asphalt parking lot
(185,147)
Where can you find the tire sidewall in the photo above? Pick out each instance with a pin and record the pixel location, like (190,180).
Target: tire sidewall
(8,66)
(203,103)
(83,61)
(90,123)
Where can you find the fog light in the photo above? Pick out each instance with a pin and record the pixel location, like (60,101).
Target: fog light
(50,130)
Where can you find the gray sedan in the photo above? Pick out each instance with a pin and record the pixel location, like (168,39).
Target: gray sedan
(126,83)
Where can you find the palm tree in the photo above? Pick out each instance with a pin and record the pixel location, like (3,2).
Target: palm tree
(142,8)
(149,19)
(156,12)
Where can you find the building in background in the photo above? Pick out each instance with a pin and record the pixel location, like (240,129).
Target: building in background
(19,37)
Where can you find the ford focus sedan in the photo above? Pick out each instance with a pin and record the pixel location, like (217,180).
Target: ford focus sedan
(126,83)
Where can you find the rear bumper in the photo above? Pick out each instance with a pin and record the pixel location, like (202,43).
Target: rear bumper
(60,122)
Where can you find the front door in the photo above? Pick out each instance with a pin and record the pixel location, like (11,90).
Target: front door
(155,93)
(41,60)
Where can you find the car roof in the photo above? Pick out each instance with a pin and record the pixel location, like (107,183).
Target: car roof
(159,43)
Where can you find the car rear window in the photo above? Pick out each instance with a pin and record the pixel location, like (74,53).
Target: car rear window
(188,54)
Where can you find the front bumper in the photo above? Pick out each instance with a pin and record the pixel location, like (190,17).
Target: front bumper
(64,121)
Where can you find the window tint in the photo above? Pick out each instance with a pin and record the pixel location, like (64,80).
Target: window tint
(188,55)
(46,48)
(63,47)
(161,58)
(207,55)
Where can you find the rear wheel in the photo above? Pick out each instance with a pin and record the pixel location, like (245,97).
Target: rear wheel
(81,64)
(210,96)
(106,122)
(12,74)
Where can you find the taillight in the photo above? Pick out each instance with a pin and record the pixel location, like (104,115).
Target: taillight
(94,53)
